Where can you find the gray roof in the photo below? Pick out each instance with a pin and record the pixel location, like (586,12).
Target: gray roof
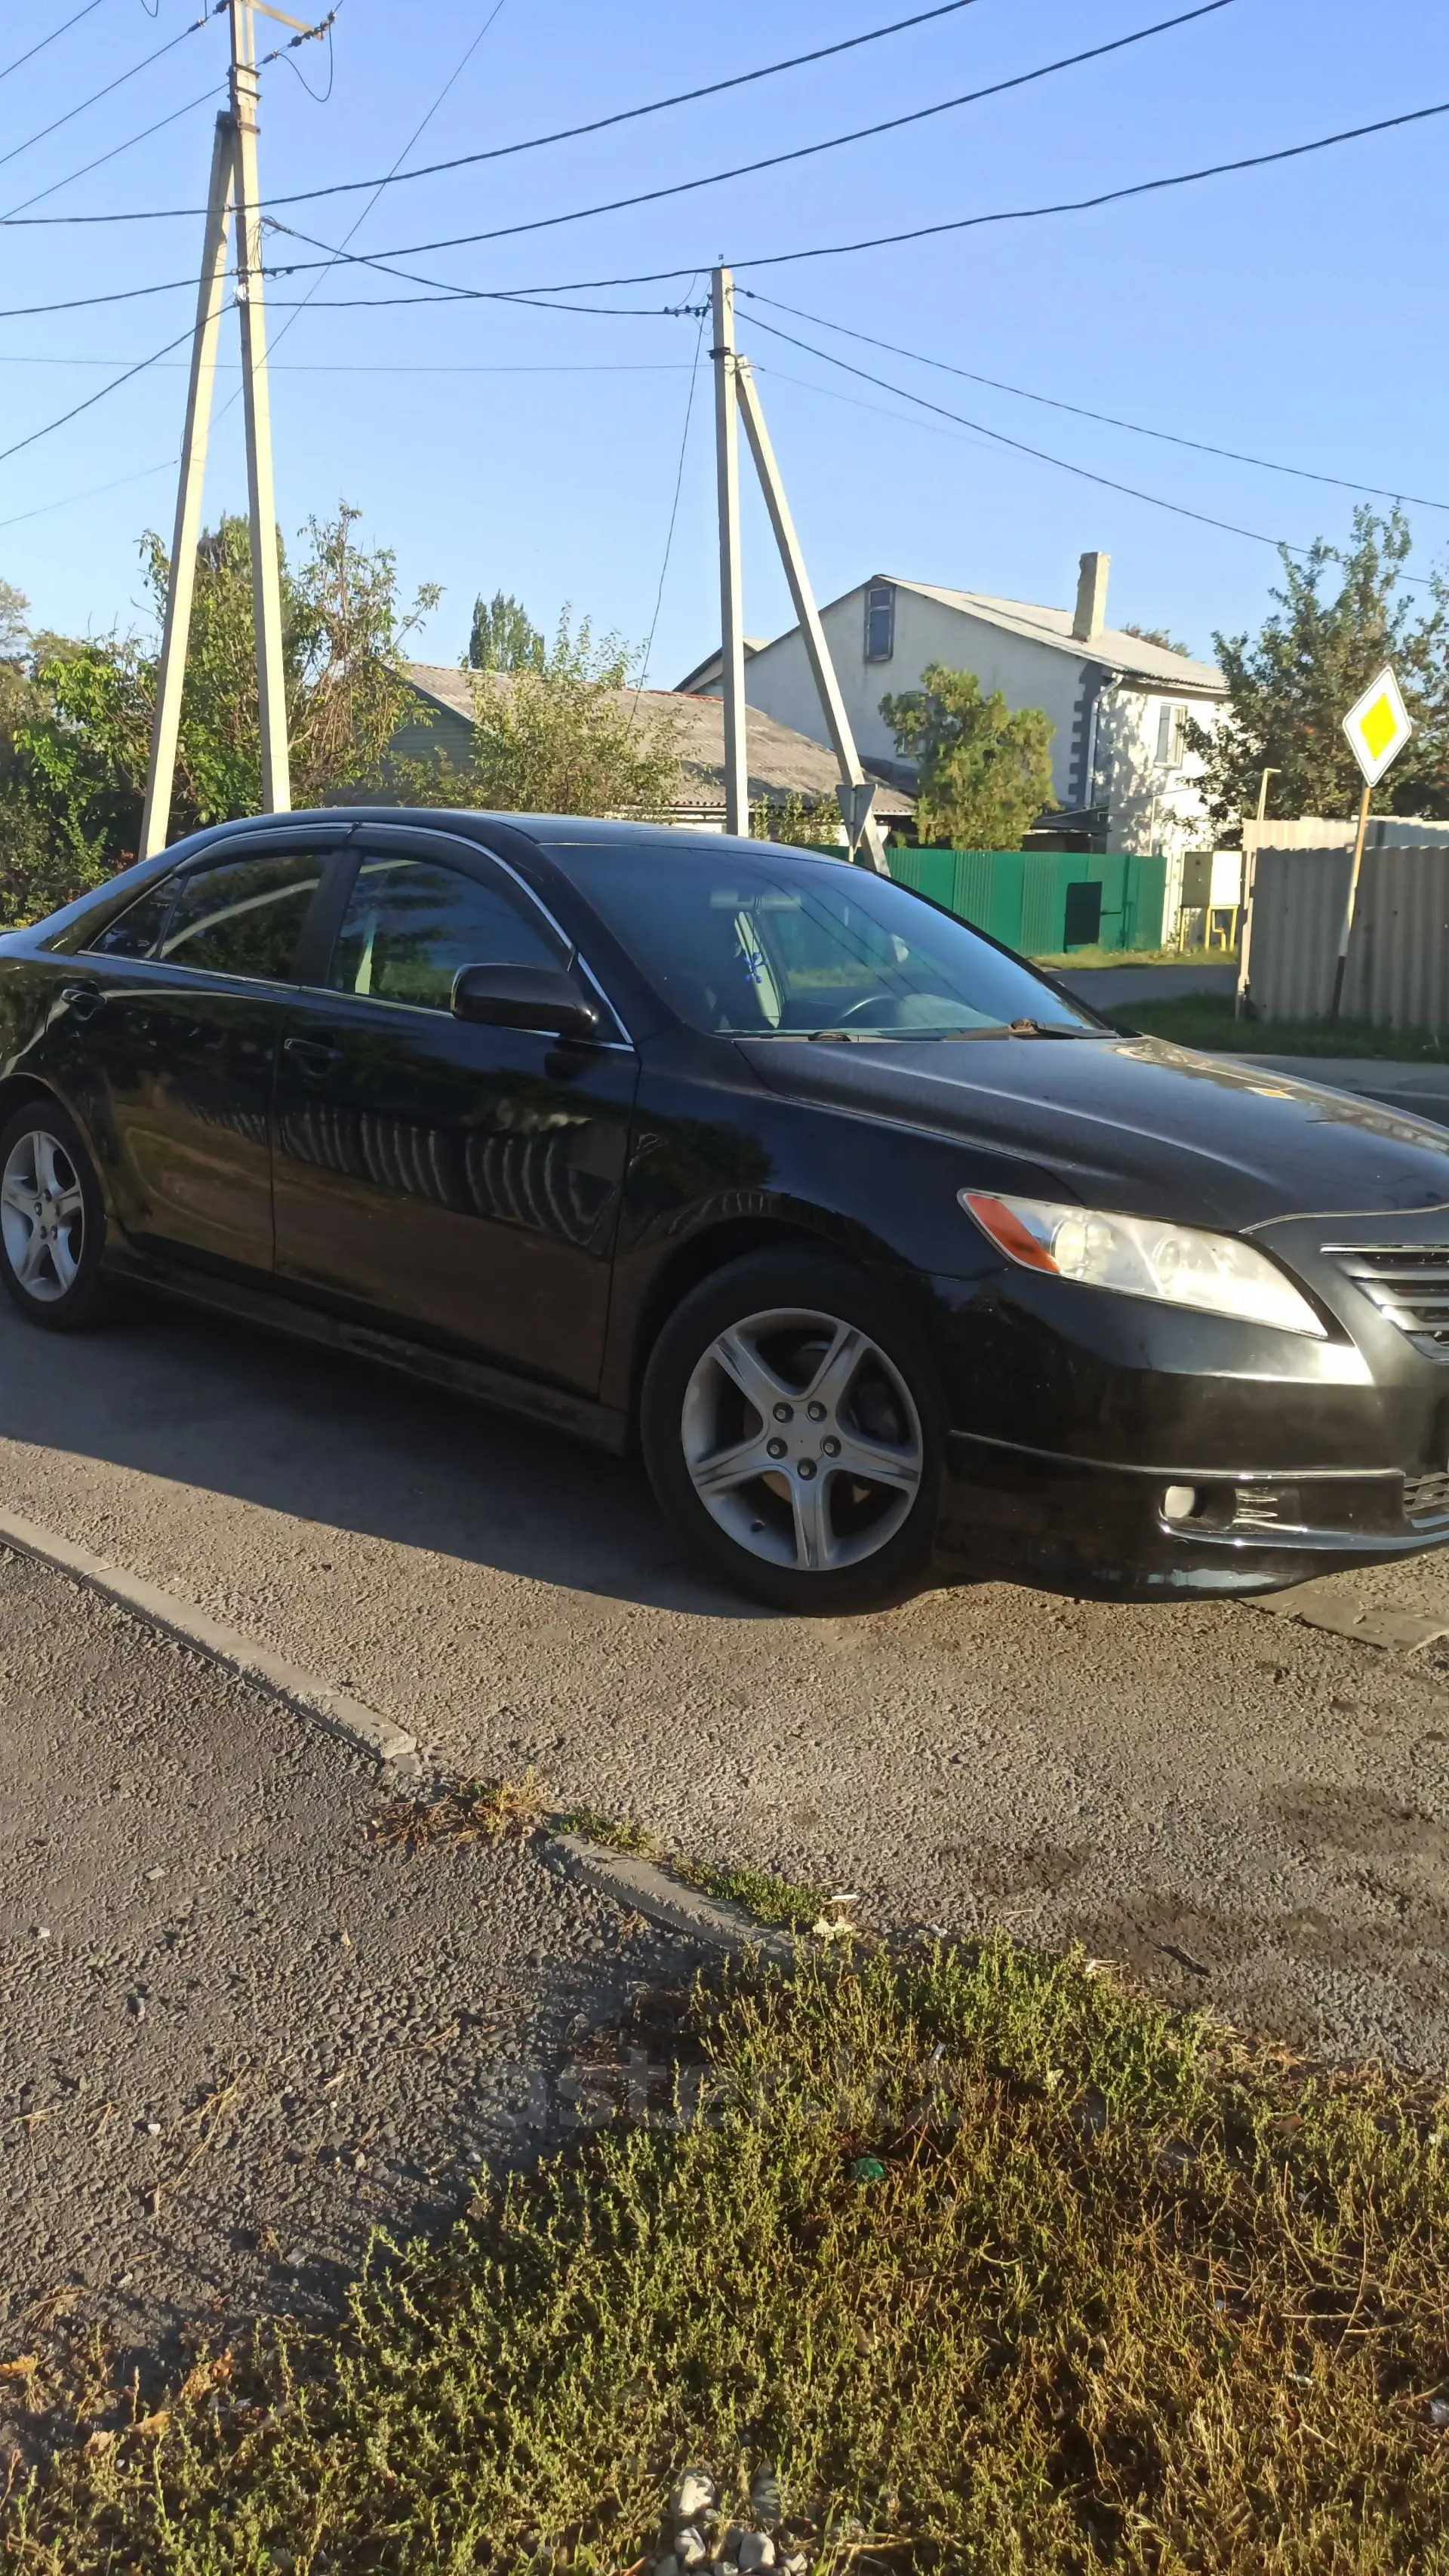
(781,761)
(1116,650)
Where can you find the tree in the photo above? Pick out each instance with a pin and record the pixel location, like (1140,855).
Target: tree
(74,777)
(566,734)
(1156,635)
(985,771)
(504,637)
(801,822)
(1290,686)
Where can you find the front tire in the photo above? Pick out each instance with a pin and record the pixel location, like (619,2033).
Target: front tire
(793,1431)
(52,1219)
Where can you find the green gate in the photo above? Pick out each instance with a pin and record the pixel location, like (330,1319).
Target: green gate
(1044,902)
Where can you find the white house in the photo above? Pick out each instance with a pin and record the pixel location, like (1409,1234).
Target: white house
(1123,776)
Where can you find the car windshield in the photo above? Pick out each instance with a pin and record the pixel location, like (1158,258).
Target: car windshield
(776,946)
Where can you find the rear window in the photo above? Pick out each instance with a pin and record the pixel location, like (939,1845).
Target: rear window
(780,947)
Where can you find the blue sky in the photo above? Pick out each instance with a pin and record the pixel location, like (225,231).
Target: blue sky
(1295,312)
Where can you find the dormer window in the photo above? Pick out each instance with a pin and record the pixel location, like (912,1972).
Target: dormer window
(880,621)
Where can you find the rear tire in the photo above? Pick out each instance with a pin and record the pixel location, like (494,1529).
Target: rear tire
(52,1220)
(794,1430)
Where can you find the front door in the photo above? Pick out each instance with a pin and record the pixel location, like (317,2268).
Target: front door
(180,1008)
(457,1181)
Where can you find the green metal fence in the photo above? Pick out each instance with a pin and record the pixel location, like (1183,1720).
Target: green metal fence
(1044,902)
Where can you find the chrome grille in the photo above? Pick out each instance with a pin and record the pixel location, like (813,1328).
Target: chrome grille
(1408,1282)
(1426,1498)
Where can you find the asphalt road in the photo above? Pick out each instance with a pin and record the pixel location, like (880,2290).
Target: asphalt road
(1251,1815)
(236,2033)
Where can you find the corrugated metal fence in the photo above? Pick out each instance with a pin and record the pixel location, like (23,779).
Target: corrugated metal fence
(1044,902)
(1397,974)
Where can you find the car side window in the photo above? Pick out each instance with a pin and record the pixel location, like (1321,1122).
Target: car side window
(411,923)
(243,916)
(134,932)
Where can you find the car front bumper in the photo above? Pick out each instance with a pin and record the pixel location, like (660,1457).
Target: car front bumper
(1102,1444)
(1095,1527)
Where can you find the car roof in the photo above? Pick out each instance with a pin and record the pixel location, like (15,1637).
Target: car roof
(550,831)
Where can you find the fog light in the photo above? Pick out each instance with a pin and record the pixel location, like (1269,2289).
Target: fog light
(1179,1502)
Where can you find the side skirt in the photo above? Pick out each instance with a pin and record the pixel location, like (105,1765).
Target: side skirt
(480,1380)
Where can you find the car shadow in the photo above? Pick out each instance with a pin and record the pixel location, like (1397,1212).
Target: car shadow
(165,1391)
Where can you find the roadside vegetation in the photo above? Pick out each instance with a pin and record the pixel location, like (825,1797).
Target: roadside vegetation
(998,2266)
(1206,1020)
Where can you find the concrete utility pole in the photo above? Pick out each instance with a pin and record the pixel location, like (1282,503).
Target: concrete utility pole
(731,606)
(161,773)
(734,386)
(856,790)
(261,497)
(234,188)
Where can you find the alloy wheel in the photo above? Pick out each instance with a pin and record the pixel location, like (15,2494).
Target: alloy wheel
(42,1216)
(802,1439)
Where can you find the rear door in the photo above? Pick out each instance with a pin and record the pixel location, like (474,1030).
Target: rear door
(449,1180)
(176,1046)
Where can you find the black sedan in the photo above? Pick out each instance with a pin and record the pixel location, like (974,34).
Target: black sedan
(870,1236)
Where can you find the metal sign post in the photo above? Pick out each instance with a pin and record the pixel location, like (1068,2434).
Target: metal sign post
(1377,726)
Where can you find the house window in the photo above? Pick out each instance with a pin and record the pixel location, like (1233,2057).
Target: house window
(880,621)
(1171,737)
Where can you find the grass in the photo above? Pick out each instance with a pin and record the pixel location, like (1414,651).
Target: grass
(465,1811)
(779,1903)
(1011,2268)
(1206,1020)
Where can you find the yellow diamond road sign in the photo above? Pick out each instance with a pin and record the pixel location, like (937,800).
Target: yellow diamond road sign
(1377,726)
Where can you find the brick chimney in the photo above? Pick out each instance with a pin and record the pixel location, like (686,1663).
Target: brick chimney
(1091,610)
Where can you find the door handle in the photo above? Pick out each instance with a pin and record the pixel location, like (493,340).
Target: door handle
(82,1000)
(313,1056)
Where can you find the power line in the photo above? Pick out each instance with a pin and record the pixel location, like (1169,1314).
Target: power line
(62,30)
(408,366)
(92,399)
(118,83)
(564,133)
(72,500)
(459,68)
(999,438)
(673,515)
(216,90)
(1172,438)
(802,151)
(785,258)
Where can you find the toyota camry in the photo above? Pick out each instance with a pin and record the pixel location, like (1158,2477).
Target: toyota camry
(870,1238)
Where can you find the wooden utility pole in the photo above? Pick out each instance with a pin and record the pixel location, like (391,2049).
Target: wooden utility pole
(731,607)
(261,497)
(161,773)
(861,824)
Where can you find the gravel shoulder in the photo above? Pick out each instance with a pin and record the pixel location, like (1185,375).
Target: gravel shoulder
(236,2034)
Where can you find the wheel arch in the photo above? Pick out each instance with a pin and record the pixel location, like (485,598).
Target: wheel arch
(712,1248)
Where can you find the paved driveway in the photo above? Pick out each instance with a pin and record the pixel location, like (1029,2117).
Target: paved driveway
(1253,1815)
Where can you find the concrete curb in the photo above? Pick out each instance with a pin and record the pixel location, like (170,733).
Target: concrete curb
(341,1715)
(645,1888)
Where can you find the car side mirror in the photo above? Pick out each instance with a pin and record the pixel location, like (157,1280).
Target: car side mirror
(524,997)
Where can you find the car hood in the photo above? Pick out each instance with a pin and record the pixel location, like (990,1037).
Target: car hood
(1135,1123)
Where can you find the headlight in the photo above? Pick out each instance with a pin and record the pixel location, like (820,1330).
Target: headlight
(1143,1257)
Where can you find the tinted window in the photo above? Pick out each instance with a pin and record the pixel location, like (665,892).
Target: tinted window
(778,946)
(243,916)
(411,924)
(134,932)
